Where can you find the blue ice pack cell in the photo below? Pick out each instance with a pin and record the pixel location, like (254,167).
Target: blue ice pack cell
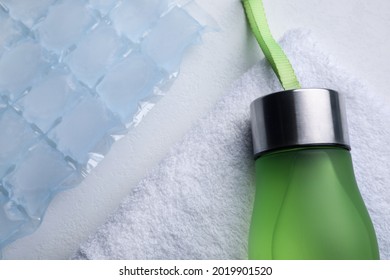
(15,138)
(85,129)
(95,53)
(65,25)
(42,173)
(128,83)
(27,11)
(19,66)
(12,220)
(3,105)
(49,99)
(74,76)
(103,6)
(10,31)
(168,40)
(133,18)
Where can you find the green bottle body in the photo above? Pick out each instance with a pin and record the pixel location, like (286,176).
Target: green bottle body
(308,206)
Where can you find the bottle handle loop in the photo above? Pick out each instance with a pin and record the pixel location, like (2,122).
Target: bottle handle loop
(255,13)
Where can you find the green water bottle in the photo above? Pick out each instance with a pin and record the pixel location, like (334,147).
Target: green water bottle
(307,204)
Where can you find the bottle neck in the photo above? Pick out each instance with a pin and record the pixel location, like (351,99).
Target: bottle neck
(301,147)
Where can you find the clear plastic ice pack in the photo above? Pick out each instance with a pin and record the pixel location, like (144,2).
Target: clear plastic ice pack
(74,77)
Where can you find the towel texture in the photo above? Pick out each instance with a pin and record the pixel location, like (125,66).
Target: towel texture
(197,203)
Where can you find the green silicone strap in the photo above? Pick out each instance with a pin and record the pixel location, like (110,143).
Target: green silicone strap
(273,52)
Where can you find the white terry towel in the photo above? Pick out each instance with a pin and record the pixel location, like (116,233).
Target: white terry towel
(197,204)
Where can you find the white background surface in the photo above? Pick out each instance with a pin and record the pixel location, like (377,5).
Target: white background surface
(355,32)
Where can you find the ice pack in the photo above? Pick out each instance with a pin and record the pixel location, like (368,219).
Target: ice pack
(75,75)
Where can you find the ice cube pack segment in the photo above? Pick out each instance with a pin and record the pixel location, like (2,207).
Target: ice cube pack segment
(65,24)
(74,76)
(3,105)
(103,6)
(10,30)
(42,107)
(15,138)
(136,74)
(167,40)
(133,18)
(95,53)
(84,127)
(20,66)
(27,11)
(11,225)
(43,167)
